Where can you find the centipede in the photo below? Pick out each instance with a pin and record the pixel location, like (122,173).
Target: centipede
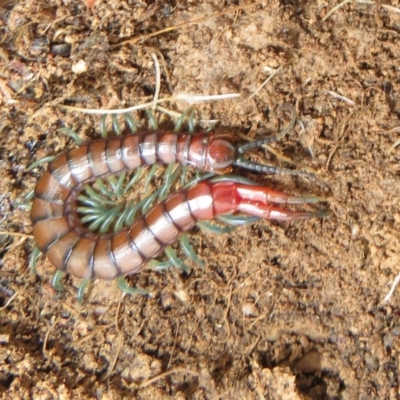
(73,248)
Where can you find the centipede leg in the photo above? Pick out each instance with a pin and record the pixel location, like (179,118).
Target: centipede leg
(179,123)
(33,259)
(159,265)
(150,176)
(153,125)
(56,281)
(116,126)
(189,251)
(130,122)
(103,126)
(82,289)
(238,220)
(124,287)
(71,133)
(175,260)
(213,228)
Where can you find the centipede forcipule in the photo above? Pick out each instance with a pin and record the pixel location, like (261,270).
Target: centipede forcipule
(73,248)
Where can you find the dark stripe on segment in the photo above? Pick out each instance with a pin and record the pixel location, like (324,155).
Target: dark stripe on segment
(198,151)
(183,148)
(134,248)
(167,148)
(114,155)
(79,164)
(174,205)
(148,149)
(68,254)
(79,262)
(166,232)
(113,259)
(190,209)
(130,151)
(61,171)
(203,210)
(97,158)
(144,239)
(46,238)
(43,210)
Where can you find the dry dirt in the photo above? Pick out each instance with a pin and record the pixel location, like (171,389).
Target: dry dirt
(281,311)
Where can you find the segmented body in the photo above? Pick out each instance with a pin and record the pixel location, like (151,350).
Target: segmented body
(72,248)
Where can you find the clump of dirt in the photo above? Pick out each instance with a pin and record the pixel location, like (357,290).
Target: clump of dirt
(280,311)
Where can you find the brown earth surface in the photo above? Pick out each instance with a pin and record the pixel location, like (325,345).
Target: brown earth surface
(280,311)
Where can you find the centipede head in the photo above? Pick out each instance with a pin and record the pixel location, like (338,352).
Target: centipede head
(221,154)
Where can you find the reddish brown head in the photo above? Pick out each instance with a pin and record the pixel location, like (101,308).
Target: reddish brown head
(212,152)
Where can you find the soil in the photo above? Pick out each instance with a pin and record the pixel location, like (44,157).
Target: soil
(280,310)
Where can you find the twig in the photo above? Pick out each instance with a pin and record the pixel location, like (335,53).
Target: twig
(391,291)
(158,80)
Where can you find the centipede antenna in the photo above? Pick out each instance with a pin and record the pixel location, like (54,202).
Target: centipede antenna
(271,169)
(271,139)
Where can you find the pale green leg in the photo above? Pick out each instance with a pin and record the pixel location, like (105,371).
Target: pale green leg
(150,176)
(148,202)
(175,260)
(159,265)
(95,196)
(185,169)
(181,119)
(103,190)
(33,259)
(26,201)
(189,251)
(134,179)
(121,283)
(40,162)
(153,125)
(103,126)
(82,289)
(209,227)
(56,281)
(238,220)
(170,177)
(116,126)
(191,121)
(130,122)
(70,132)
